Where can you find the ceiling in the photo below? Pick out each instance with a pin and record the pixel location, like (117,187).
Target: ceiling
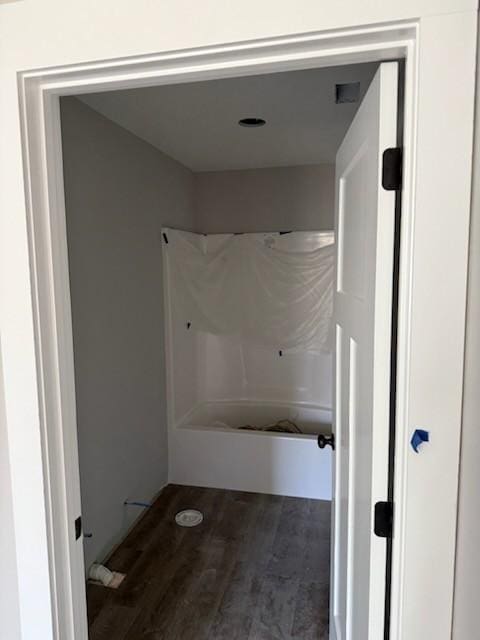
(196,123)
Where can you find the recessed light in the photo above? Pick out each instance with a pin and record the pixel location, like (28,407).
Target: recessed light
(251,122)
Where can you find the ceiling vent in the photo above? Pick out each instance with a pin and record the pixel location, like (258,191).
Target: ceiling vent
(349,92)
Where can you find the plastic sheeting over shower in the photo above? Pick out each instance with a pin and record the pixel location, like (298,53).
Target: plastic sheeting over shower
(249,318)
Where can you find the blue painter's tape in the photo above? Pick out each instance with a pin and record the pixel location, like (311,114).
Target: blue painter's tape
(419,436)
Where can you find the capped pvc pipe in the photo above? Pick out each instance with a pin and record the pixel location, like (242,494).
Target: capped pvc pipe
(99,573)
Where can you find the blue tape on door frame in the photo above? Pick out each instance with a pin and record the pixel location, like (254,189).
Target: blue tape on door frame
(419,436)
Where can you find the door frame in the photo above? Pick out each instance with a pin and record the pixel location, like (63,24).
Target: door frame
(419,331)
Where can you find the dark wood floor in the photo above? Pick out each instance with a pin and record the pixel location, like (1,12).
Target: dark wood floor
(257,568)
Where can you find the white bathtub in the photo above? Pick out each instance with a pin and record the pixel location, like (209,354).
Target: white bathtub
(207,449)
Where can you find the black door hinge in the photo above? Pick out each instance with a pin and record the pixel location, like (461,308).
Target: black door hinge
(326,441)
(383,526)
(78,527)
(392,169)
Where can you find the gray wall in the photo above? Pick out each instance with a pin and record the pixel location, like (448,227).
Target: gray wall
(467,584)
(119,192)
(9,606)
(277,199)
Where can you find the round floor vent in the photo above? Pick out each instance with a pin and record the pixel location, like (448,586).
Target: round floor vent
(189,518)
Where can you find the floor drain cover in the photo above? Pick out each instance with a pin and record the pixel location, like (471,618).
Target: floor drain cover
(189,518)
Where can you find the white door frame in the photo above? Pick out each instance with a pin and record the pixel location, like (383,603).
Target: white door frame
(424,524)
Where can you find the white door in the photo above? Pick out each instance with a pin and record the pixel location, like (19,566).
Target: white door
(364,226)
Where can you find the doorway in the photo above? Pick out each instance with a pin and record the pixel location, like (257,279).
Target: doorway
(199,429)
(53,506)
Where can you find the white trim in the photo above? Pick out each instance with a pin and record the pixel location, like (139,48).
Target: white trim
(39,91)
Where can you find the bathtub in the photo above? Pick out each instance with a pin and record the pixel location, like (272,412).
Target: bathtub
(207,448)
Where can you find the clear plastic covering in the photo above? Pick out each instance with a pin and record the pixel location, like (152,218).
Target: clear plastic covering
(260,287)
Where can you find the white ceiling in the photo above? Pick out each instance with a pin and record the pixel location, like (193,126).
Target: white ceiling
(197,123)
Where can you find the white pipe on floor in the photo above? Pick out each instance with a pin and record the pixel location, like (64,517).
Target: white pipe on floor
(99,573)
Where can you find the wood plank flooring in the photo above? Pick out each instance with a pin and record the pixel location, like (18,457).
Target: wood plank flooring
(257,568)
